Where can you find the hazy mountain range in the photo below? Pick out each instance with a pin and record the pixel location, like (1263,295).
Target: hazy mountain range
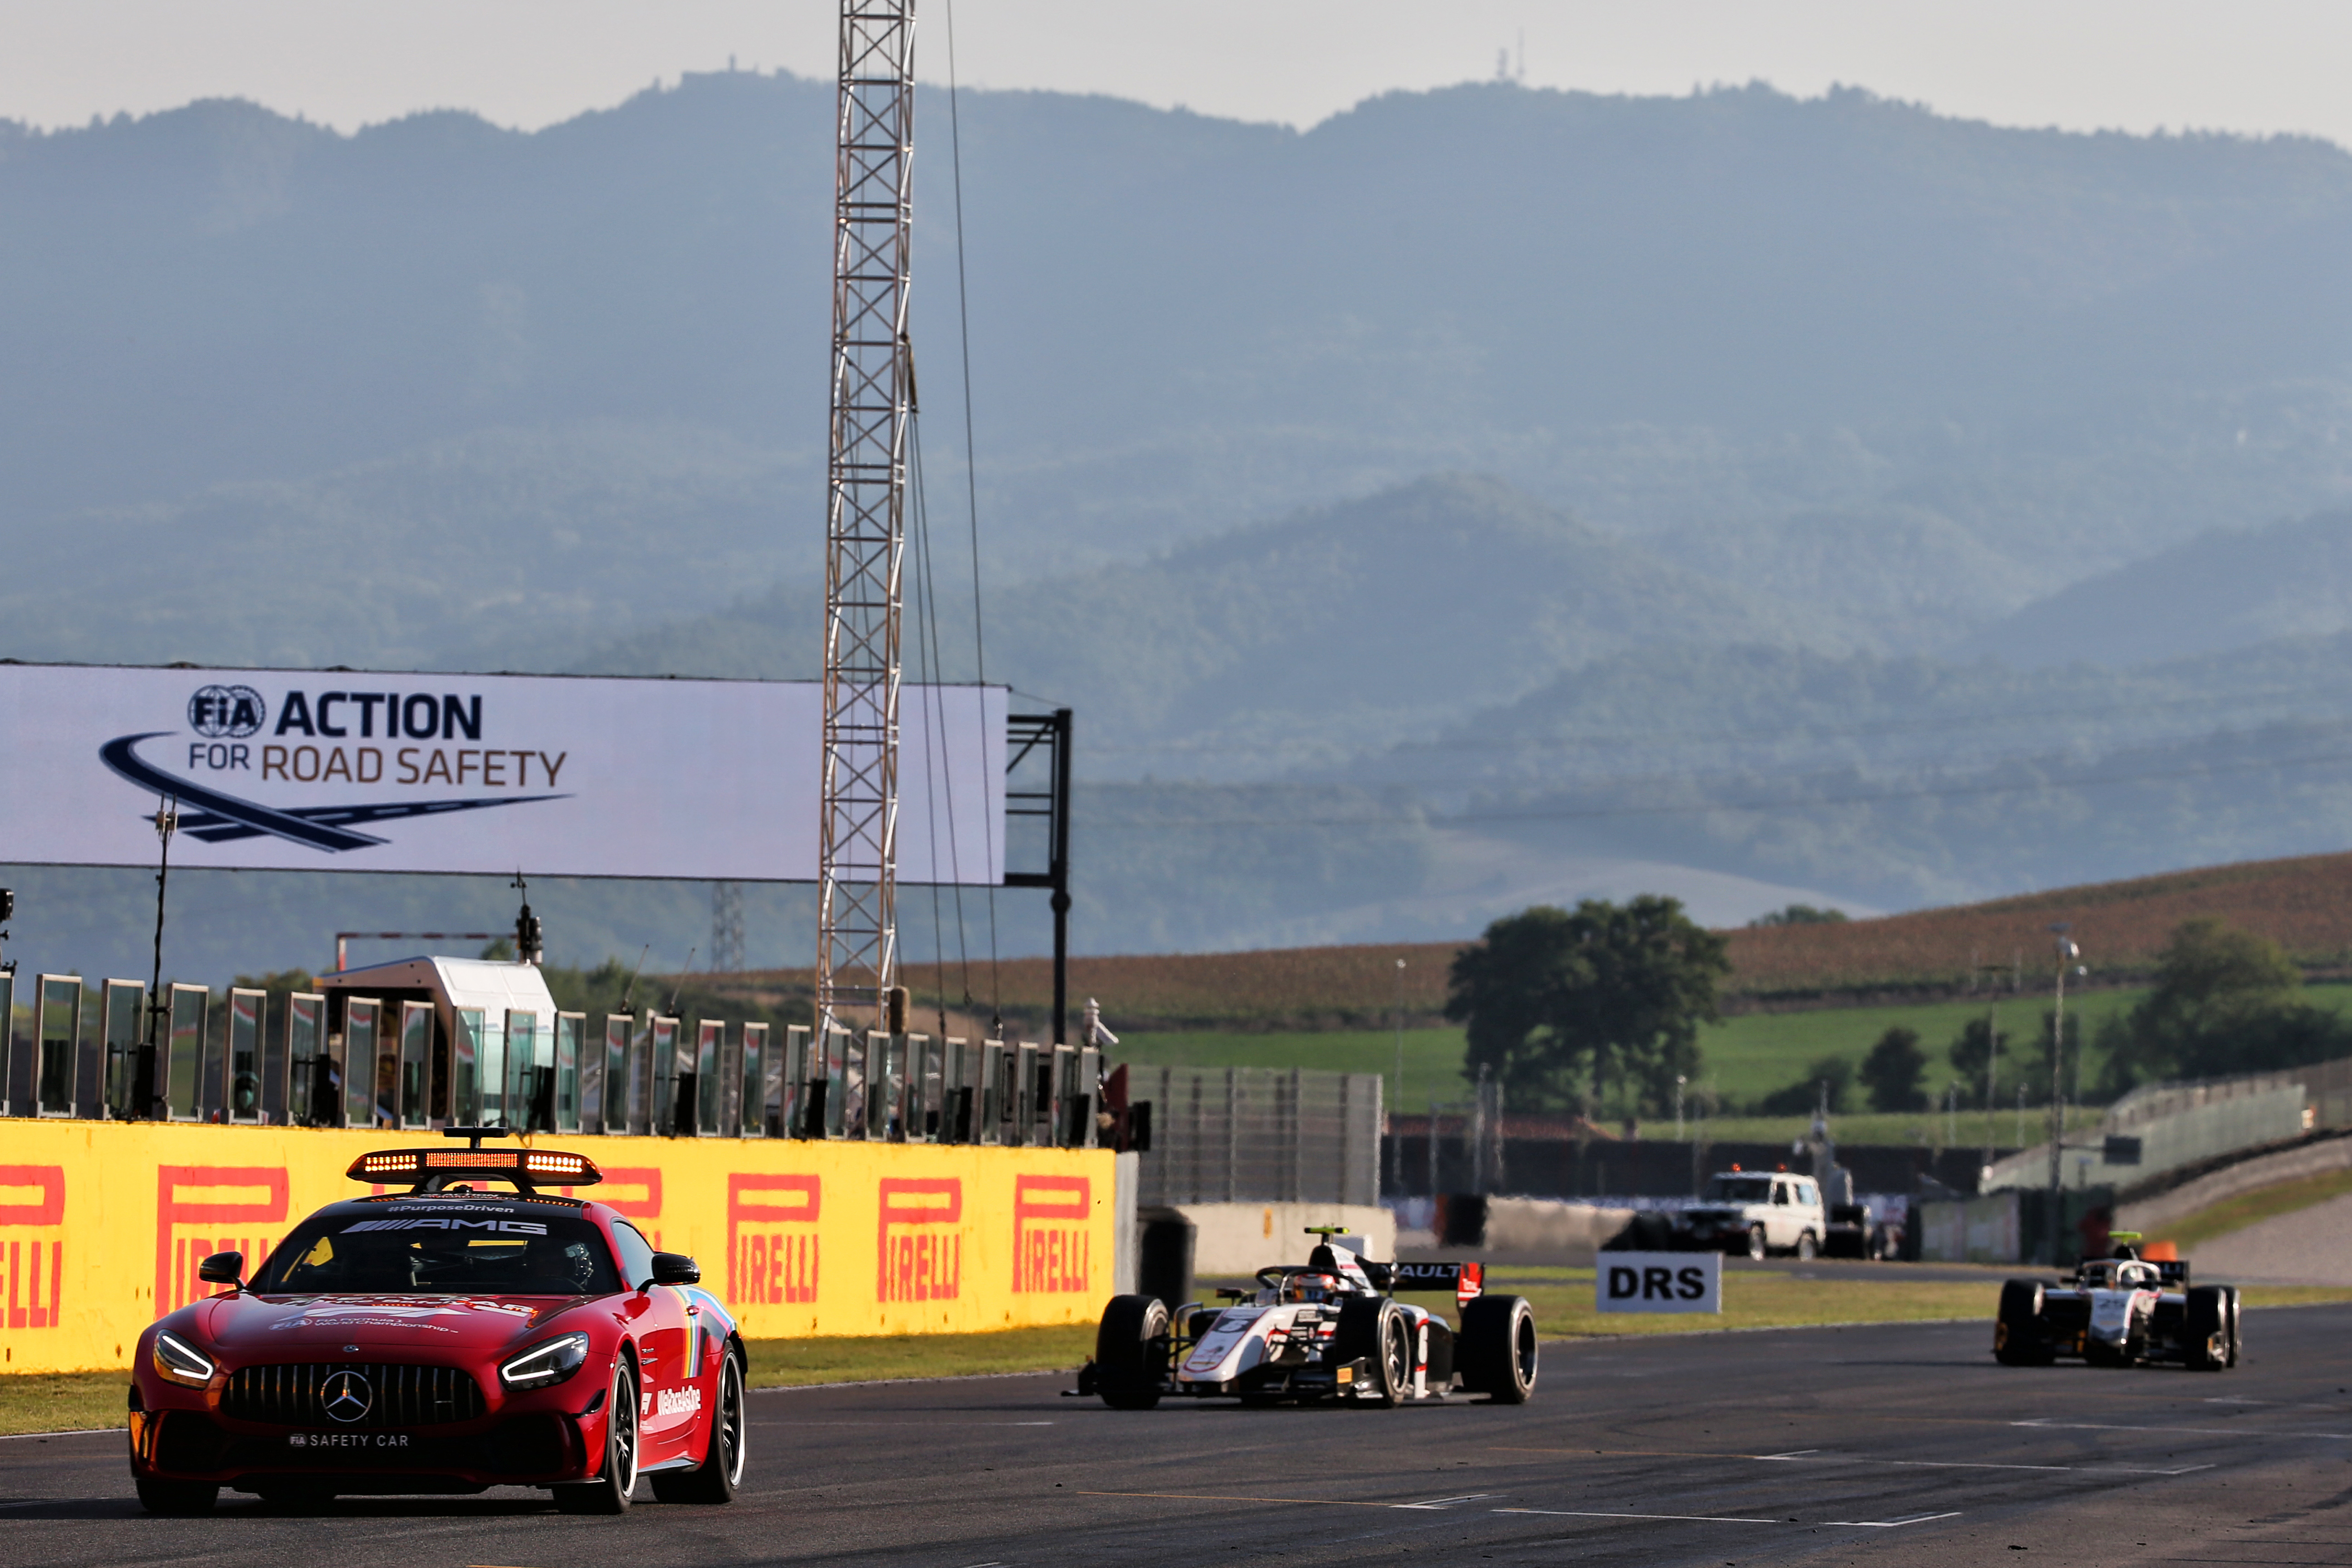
(1488,494)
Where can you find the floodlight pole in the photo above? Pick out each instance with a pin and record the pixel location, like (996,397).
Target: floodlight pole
(2067,952)
(873,399)
(142,1078)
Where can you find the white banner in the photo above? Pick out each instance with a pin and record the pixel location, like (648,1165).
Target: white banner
(1658,1281)
(293,770)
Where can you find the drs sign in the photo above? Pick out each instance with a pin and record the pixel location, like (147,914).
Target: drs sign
(1659,1282)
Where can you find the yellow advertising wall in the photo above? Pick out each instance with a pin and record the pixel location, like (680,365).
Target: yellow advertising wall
(102,1225)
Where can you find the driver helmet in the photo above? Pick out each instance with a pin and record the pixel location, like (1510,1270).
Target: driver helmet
(1309,1288)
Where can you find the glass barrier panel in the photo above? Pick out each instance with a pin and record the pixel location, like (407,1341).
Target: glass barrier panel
(311,1102)
(57,1027)
(926,1062)
(183,1077)
(11,1057)
(277,1089)
(465,1069)
(866,1065)
(992,1080)
(1089,1095)
(751,1119)
(364,1084)
(530,1081)
(665,1077)
(614,1111)
(571,1028)
(793,1092)
(955,1096)
(710,1081)
(897,1049)
(490,1068)
(121,1021)
(835,1114)
(1021,1103)
(416,1064)
(247,1011)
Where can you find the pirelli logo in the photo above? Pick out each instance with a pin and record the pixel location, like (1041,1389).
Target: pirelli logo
(920,1238)
(204,1209)
(32,1245)
(771,1239)
(1050,1238)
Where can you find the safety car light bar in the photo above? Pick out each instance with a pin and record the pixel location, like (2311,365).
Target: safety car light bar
(525,1164)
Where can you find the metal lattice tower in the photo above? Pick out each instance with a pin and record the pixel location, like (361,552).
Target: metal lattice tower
(873,395)
(727,928)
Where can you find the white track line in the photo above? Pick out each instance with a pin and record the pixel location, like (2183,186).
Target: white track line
(1885,1523)
(1596,1513)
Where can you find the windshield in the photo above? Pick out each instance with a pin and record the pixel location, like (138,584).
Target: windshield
(1740,1189)
(444,1250)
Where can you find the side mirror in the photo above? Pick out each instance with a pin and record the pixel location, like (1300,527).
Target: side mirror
(675,1268)
(223,1268)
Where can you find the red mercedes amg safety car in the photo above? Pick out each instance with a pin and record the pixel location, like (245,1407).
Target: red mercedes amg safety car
(471,1331)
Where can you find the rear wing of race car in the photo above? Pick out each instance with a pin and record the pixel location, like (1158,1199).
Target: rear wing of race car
(1468,1279)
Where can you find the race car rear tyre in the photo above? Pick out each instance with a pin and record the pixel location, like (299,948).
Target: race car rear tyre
(1496,1350)
(2205,1328)
(1131,1352)
(615,1484)
(2017,1336)
(177,1499)
(713,1480)
(2237,1322)
(1372,1330)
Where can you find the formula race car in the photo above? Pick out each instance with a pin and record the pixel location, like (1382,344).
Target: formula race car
(2120,1311)
(1327,1329)
(446,1339)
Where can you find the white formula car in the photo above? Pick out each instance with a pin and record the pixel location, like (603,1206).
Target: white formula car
(2119,1312)
(1325,1330)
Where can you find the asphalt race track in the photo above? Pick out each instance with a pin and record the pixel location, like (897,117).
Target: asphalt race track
(1902,1443)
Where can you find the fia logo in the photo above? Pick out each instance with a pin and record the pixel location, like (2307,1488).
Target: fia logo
(227,712)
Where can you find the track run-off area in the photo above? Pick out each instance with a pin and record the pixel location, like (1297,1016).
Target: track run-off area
(1721,1451)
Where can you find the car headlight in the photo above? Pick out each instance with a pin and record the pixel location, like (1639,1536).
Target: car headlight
(542,1366)
(182,1361)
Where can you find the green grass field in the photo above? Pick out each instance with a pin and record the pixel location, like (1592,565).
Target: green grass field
(1744,1058)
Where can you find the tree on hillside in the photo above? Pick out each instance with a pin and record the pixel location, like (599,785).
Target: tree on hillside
(2225,1001)
(1801,915)
(1825,1084)
(1975,1045)
(1893,1071)
(1562,1004)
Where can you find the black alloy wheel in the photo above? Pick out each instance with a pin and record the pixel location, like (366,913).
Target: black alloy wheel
(721,1471)
(617,1483)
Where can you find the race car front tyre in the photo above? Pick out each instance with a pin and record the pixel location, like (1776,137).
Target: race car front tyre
(177,1499)
(1496,1350)
(2017,1336)
(2208,1328)
(1372,1330)
(713,1480)
(1131,1352)
(615,1484)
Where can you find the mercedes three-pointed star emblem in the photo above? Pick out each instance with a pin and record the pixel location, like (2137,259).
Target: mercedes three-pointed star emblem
(347,1395)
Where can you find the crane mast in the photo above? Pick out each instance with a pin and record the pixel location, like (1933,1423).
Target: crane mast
(872,400)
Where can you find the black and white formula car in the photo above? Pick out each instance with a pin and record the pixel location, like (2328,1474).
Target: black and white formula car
(2121,1310)
(1329,1329)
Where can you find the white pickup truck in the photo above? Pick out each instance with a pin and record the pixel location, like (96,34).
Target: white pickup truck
(1755,1212)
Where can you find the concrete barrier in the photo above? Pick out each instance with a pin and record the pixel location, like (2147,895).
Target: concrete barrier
(1550,1229)
(102,1225)
(1236,1240)
(2149,1215)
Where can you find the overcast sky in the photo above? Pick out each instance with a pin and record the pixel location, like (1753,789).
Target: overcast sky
(2250,65)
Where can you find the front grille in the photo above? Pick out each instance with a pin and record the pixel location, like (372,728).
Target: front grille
(296,1394)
